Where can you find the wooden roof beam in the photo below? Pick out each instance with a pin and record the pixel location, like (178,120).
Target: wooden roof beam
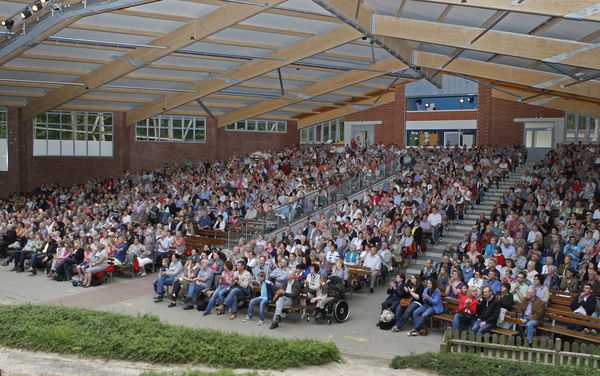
(346,110)
(512,44)
(319,88)
(586,10)
(287,55)
(523,76)
(202,27)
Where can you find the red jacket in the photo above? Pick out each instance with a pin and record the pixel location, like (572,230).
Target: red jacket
(471,309)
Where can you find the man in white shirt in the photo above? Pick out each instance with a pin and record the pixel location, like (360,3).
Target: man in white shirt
(373,262)
(435,219)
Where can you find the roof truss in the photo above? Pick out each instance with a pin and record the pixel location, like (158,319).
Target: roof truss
(219,19)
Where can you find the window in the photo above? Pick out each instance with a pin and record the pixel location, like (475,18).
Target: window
(171,129)
(254,125)
(3,140)
(67,133)
(329,132)
(580,128)
(455,102)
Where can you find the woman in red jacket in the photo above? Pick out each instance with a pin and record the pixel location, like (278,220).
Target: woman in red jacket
(467,309)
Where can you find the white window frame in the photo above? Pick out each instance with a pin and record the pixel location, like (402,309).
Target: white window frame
(3,139)
(80,134)
(171,128)
(310,135)
(258,125)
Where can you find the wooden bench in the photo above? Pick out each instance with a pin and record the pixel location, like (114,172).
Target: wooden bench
(358,275)
(567,318)
(452,305)
(198,242)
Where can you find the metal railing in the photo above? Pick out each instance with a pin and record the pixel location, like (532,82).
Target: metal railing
(315,201)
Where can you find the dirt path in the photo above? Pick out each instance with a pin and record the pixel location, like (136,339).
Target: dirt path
(17,362)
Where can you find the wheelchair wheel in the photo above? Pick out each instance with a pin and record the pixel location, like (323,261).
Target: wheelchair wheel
(341,311)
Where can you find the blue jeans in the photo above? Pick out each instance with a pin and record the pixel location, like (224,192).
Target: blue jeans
(486,328)
(262,307)
(402,314)
(193,290)
(67,267)
(421,314)
(457,321)
(219,294)
(232,298)
(530,330)
(160,283)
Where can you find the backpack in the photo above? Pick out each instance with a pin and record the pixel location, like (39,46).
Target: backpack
(387,320)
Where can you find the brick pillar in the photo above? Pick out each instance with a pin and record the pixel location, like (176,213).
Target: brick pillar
(10,179)
(392,115)
(484,115)
(124,137)
(400,117)
(214,135)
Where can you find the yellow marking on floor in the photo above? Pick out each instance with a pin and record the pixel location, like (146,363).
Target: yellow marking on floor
(357,339)
(71,291)
(126,304)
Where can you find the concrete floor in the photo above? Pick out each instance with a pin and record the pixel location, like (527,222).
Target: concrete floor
(356,338)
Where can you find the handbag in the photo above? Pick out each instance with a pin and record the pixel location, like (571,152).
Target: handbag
(405,302)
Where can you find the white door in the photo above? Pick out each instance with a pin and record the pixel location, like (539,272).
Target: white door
(451,138)
(468,140)
(538,142)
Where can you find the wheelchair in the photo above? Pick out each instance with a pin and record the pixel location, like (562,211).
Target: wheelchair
(337,308)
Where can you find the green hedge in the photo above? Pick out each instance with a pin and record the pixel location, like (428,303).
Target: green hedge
(456,364)
(224,372)
(145,338)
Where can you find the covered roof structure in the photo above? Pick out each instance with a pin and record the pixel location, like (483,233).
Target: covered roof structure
(301,60)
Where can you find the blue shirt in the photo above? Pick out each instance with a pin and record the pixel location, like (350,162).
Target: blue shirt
(495,285)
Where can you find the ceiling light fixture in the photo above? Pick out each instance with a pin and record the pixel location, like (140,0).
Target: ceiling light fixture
(25,13)
(37,6)
(8,24)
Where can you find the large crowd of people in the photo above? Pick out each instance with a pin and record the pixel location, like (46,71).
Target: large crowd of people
(541,235)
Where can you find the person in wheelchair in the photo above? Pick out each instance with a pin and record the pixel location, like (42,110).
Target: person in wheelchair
(330,300)
(321,299)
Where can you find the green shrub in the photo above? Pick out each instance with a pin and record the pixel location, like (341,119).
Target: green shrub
(145,338)
(456,364)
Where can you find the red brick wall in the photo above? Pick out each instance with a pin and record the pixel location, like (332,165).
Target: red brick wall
(9,180)
(484,115)
(441,115)
(232,143)
(27,172)
(504,130)
(69,170)
(391,131)
(495,124)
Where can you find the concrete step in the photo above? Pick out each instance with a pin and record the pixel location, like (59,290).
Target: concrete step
(456,231)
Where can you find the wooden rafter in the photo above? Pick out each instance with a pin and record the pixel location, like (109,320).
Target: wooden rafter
(202,27)
(319,88)
(549,101)
(529,77)
(521,45)
(346,110)
(580,9)
(251,69)
(401,49)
